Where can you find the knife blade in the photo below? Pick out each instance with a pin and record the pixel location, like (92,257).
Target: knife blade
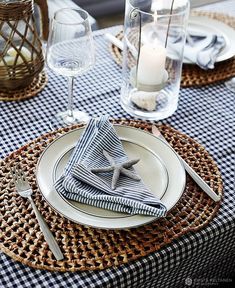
(200,182)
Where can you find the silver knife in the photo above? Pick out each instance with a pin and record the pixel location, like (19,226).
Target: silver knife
(201,183)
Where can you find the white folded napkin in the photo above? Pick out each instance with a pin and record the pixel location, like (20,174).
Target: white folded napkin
(203,49)
(80,184)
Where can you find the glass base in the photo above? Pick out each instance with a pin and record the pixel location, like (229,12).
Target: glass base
(230,84)
(166,105)
(63,119)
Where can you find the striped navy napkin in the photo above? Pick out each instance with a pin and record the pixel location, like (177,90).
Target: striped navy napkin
(203,49)
(78,183)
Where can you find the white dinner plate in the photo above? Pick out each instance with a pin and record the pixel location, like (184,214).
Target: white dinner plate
(159,168)
(207,25)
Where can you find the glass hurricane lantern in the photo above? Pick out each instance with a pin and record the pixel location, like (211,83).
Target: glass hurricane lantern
(154,39)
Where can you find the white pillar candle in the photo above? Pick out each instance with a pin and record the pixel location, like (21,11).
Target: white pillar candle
(151,65)
(11,55)
(24,51)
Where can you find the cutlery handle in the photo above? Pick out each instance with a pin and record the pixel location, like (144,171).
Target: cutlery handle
(200,182)
(120,44)
(50,239)
(114,40)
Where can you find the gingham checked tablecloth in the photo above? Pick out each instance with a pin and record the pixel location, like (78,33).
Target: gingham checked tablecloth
(205,114)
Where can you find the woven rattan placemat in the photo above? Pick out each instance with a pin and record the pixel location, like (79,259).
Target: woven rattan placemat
(21,94)
(192,75)
(87,248)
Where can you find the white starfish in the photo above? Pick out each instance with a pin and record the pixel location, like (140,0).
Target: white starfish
(117,169)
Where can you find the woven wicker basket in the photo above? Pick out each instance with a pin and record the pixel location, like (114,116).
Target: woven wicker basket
(21,57)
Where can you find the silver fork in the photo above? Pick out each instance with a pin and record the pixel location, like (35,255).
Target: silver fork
(23,188)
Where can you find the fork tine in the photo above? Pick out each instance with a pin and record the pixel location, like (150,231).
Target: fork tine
(17,174)
(21,174)
(13,173)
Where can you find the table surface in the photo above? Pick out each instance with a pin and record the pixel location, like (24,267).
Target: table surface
(204,113)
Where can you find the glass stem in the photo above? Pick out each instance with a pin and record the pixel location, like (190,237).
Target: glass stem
(70,96)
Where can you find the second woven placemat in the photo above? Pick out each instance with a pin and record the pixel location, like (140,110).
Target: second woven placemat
(192,75)
(87,248)
(32,90)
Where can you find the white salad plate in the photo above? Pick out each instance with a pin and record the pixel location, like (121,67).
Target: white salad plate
(204,25)
(159,167)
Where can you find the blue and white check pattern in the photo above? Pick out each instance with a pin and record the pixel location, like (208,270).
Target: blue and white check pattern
(205,114)
(78,183)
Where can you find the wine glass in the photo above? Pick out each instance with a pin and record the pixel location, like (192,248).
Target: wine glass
(70,53)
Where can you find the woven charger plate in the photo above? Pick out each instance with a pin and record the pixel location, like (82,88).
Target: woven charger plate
(32,90)
(192,75)
(87,248)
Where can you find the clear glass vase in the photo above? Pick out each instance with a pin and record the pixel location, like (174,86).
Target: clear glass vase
(154,39)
